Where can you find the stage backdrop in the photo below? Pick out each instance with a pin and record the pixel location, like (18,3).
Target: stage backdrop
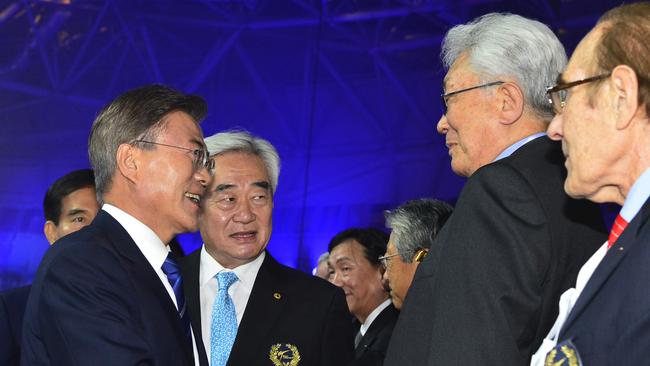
(348,91)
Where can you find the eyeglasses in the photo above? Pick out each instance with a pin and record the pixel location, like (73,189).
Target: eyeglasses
(200,160)
(557,94)
(384,259)
(446,96)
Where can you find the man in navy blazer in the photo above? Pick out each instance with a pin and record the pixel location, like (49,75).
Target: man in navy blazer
(103,295)
(70,204)
(603,120)
(278,315)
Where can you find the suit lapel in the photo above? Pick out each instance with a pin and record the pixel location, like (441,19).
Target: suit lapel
(625,243)
(190,265)
(265,305)
(386,316)
(144,277)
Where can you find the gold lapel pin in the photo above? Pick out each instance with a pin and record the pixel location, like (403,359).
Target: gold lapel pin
(277,296)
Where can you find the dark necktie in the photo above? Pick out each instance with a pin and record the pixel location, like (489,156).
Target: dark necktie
(173,272)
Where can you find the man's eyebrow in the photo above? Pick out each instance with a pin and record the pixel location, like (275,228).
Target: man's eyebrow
(75,211)
(262,184)
(223,187)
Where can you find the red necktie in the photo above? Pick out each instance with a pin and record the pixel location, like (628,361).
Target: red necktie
(617,229)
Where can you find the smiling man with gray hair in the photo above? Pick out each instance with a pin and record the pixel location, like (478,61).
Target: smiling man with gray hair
(486,294)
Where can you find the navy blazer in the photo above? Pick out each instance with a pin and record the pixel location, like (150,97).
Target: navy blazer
(97,301)
(287,309)
(12,310)
(610,322)
(487,293)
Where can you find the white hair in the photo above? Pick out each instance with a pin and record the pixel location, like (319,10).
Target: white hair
(501,44)
(243,141)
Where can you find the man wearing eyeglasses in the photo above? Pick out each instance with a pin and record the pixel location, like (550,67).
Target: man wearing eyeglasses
(414,226)
(110,293)
(602,103)
(486,294)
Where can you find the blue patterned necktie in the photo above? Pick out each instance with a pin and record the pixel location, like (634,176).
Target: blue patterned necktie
(173,272)
(223,329)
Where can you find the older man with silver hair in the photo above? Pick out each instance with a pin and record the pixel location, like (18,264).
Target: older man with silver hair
(250,309)
(414,226)
(486,294)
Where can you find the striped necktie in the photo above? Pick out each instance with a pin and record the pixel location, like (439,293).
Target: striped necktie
(172,270)
(617,229)
(223,329)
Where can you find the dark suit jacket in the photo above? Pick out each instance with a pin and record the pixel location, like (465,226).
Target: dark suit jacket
(310,314)
(487,293)
(97,301)
(372,347)
(12,310)
(610,322)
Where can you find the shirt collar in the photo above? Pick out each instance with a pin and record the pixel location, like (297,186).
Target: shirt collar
(636,197)
(246,273)
(512,148)
(153,249)
(373,315)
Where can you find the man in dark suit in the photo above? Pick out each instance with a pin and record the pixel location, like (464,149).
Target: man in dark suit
(253,310)
(604,126)
(108,294)
(356,268)
(70,204)
(486,294)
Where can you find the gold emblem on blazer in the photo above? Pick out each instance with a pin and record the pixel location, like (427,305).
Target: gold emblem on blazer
(564,354)
(284,355)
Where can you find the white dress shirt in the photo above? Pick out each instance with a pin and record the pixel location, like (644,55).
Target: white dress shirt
(373,315)
(239,291)
(153,249)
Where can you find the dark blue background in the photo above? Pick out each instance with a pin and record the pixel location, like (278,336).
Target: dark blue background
(348,91)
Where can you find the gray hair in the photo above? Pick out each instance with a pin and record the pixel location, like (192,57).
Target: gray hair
(324,257)
(243,141)
(501,44)
(136,114)
(415,225)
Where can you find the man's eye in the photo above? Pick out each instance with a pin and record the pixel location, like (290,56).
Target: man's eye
(79,219)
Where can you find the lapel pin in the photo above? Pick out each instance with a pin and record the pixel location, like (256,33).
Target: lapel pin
(277,296)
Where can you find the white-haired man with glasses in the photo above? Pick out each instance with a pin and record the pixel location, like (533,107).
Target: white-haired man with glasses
(487,292)
(111,293)
(602,104)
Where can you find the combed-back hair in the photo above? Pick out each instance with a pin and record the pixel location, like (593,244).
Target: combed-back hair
(626,41)
(415,225)
(502,44)
(243,141)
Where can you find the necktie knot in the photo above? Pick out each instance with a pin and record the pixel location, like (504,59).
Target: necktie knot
(171,268)
(226,279)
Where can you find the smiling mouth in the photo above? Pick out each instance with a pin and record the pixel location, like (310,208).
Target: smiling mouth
(193,197)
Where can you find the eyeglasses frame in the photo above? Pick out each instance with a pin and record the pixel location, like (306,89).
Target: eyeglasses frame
(446,96)
(554,90)
(207,162)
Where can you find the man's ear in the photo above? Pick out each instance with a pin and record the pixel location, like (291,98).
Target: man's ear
(49,229)
(625,91)
(511,102)
(128,161)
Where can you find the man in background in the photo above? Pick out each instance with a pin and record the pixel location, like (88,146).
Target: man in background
(602,104)
(414,226)
(487,292)
(70,204)
(111,293)
(356,268)
(322,269)
(252,309)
